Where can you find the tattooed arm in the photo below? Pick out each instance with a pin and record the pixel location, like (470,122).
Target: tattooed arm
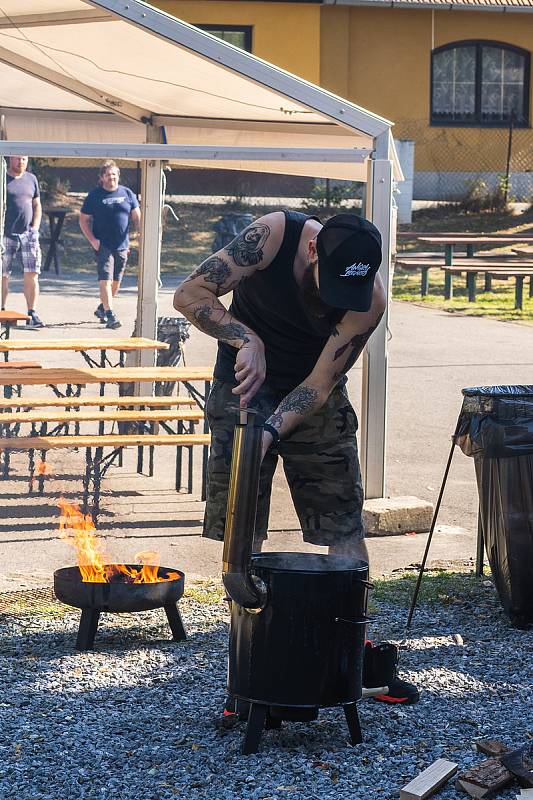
(197,297)
(342,350)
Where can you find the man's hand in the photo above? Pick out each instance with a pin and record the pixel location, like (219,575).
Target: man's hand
(95,244)
(250,369)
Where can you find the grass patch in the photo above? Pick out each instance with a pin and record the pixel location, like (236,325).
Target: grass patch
(496,304)
(206,591)
(439,587)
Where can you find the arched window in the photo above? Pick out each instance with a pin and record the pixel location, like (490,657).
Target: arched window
(479,83)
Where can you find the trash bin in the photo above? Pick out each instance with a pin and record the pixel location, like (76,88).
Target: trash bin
(496,428)
(174,331)
(228,227)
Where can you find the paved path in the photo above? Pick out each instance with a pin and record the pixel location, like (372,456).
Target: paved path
(433,355)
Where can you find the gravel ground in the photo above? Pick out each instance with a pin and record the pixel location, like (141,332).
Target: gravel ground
(136,718)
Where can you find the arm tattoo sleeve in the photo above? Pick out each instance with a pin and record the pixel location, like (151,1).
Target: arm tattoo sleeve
(357,344)
(301,400)
(203,318)
(247,248)
(214,270)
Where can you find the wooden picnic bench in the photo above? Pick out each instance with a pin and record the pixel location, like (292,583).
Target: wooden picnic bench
(494,272)
(81,377)
(472,242)
(490,266)
(8,320)
(80,402)
(40,422)
(96,462)
(85,346)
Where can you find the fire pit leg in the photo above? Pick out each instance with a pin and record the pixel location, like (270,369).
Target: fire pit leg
(176,623)
(254,728)
(352,718)
(87,629)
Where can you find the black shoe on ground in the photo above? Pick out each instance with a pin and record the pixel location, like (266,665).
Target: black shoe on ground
(112,321)
(399,692)
(381,669)
(230,717)
(34,321)
(100,313)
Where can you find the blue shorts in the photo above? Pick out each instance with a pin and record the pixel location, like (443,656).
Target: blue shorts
(110,263)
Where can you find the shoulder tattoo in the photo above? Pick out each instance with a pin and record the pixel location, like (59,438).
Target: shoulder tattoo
(247,248)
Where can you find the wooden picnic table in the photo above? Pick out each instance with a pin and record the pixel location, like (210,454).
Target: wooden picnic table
(8,319)
(84,346)
(471,242)
(78,378)
(489,266)
(56,217)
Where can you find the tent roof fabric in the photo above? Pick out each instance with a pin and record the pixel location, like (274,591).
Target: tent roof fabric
(102,70)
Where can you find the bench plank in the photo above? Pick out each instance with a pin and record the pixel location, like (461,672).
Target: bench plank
(73,402)
(100,416)
(125,344)
(82,376)
(107,440)
(20,365)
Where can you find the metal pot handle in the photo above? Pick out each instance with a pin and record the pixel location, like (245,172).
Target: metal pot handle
(354,621)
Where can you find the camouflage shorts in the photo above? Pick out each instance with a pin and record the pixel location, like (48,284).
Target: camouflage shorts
(319,459)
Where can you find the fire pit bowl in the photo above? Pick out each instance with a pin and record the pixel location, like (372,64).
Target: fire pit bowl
(119,597)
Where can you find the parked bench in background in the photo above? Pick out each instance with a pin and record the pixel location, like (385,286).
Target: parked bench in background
(490,267)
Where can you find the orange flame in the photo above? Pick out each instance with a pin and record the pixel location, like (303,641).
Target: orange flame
(43,468)
(79,530)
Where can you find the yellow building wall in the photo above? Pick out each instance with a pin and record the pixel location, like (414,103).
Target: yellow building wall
(286,34)
(383,64)
(380,58)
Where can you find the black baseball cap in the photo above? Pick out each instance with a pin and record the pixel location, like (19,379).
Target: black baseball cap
(349,255)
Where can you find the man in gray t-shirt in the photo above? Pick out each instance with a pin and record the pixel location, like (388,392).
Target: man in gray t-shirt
(21,234)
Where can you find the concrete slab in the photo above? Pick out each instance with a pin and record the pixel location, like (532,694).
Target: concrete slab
(395,515)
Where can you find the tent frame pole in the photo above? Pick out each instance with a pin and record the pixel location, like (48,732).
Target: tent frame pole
(378,208)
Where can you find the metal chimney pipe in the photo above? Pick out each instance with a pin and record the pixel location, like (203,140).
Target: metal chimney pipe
(244,588)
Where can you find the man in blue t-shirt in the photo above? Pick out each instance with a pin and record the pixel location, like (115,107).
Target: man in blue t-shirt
(104,221)
(21,234)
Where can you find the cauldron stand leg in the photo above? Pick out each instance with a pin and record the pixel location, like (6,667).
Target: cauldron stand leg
(176,623)
(87,629)
(352,719)
(254,728)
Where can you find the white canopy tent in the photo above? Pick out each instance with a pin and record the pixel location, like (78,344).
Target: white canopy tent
(118,78)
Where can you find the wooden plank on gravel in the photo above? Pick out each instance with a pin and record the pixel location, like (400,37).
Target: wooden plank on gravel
(491,747)
(429,780)
(484,779)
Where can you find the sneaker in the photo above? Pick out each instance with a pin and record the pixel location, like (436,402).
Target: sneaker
(34,321)
(381,669)
(100,313)
(112,321)
(399,692)
(230,717)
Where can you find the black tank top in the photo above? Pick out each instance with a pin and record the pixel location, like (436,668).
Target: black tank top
(270,303)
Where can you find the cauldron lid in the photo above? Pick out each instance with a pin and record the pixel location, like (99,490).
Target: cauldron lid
(308,562)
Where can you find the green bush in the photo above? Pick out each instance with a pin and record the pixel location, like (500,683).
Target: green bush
(478,197)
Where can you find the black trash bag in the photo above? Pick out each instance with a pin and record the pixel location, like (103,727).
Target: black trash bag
(496,429)
(228,227)
(175,332)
